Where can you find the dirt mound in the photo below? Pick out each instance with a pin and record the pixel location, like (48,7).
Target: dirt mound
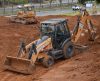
(10,36)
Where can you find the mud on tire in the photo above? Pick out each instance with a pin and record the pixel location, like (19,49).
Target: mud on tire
(47,62)
(68,50)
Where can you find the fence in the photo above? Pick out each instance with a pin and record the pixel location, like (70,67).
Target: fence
(10,8)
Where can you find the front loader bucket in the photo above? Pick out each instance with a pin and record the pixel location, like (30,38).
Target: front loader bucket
(20,65)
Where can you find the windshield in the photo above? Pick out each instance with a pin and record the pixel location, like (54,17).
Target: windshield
(47,28)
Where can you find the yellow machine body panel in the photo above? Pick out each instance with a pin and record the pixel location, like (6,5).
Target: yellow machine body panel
(78,33)
(25,65)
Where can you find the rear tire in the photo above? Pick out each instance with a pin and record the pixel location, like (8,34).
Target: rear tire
(47,62)
(68,50)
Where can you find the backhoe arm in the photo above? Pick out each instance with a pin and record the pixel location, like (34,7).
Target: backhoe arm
(83,24)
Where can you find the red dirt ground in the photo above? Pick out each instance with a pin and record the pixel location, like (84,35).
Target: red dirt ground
(88,63)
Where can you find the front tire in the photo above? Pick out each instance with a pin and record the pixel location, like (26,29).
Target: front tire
(47,62)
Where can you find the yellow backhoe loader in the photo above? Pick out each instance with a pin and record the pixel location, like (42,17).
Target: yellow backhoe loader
(55,42)
(25,16)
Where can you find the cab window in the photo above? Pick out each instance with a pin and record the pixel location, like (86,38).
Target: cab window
(46,28)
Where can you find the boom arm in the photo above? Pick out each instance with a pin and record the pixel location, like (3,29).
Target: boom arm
(83,23)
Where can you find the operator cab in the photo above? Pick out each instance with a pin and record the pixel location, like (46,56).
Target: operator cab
(57,29)
(26,8)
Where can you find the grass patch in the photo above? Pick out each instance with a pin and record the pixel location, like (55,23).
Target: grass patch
(71,14)
(53,8)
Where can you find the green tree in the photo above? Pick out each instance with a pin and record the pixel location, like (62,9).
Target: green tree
(82,1)
(60,1)
(50,1)
(98,1)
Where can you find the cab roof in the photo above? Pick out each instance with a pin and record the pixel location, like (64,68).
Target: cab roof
(54,21)
(25,6)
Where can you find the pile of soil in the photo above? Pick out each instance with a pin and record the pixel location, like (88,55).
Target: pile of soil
(12,33)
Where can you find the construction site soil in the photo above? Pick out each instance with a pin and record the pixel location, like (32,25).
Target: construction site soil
(84,66)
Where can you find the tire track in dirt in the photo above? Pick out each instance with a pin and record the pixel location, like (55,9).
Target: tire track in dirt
(16,77)
(5,76)
(10,76)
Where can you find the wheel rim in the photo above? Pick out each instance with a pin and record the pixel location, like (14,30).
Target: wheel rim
(50,62)
(70,50)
